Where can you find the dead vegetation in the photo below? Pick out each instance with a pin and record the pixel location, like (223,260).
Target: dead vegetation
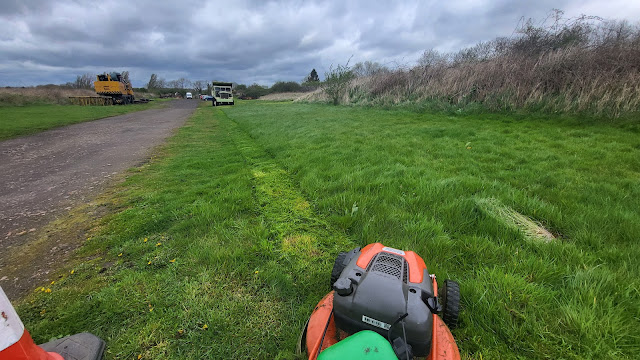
(580,65)
(531,229)
(283,96)
(45,94)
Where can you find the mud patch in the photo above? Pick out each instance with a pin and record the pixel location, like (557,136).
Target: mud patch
(39,259)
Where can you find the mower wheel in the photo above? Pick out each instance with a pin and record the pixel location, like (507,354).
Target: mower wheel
(338,266)
(450,300)
(342,260)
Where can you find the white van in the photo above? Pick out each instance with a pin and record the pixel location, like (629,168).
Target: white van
(189,95)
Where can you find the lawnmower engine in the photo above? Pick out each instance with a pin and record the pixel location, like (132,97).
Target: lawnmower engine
(388,291)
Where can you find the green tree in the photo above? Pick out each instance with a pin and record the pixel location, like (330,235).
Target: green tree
(289,86)
(313,76)
(255,91)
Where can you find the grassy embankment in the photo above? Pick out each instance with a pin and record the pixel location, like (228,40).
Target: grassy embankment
(222,246)
(30,119)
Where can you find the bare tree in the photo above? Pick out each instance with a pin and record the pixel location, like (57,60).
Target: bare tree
(173,84)
(125,77)
(433,58)
(84,81)
(155,82)
(198,86)
(368,68)
(180,83)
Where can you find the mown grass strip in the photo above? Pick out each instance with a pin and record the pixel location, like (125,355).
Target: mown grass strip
(297,231)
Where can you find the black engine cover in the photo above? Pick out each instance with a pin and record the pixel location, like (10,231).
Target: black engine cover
(376,297)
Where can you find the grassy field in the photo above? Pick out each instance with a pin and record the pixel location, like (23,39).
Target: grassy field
(24,120)
(222,245)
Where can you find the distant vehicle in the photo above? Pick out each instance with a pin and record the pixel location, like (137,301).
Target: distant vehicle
(189,95)
(207,97)
(114,86)
(221,93)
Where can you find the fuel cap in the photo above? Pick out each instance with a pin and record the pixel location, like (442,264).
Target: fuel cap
(343,287)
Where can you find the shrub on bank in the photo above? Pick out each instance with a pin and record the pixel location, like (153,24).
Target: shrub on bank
(583,65)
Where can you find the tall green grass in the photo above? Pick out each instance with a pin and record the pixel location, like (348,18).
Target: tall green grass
(254,201)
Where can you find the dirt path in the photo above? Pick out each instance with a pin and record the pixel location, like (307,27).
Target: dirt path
(44,176)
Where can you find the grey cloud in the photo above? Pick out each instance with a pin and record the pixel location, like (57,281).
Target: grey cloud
(246,42)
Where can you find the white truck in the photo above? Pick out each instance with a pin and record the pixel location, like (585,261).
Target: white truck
(222,93)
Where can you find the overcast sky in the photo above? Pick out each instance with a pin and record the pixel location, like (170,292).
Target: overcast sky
(53,41)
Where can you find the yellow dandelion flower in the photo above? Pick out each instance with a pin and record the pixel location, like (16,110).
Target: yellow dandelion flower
(205,327)
(43,311)
(145,239)
(149,263)
(120,254)
(180,331)
(53,282)
(48,290)
(172,261)
(139,356)
(158,244)
(256,272)
(71,272)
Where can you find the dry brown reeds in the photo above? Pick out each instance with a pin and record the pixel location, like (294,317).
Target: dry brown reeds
(584,65)
(45,94)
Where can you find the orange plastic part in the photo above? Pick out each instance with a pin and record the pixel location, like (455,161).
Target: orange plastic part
(317,325)
(26,349)
(416,264)
(443,345)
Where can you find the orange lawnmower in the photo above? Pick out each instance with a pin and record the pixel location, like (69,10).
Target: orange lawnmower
(384,305)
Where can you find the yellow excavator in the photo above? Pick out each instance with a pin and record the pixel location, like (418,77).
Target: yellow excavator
(115,86)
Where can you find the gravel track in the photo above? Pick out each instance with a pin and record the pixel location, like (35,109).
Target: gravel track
(45,175)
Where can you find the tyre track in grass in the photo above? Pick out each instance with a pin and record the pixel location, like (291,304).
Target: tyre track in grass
(297,234)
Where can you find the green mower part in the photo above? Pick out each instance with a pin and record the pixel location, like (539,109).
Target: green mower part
(365,345)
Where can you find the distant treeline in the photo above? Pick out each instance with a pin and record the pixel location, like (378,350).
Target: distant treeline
(181,86)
